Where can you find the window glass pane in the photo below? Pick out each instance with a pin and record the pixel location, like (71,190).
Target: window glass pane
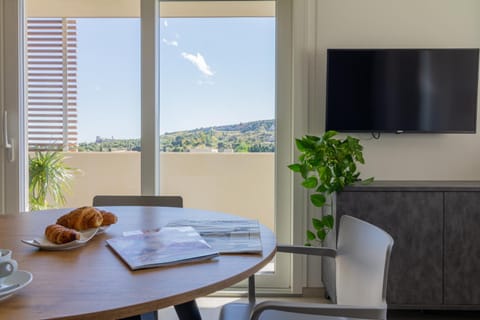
(84,98)
(109,81)
(217,113)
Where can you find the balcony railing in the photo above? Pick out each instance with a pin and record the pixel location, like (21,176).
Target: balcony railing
(236,183)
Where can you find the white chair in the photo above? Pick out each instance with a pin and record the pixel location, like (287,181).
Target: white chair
(361,258)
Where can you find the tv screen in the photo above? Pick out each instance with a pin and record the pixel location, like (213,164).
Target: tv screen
(402,90)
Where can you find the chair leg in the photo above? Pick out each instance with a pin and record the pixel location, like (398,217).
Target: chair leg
(251,289)
(188,311)
(146,316)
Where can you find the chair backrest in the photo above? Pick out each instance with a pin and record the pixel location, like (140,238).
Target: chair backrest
(151,201)
(363,255)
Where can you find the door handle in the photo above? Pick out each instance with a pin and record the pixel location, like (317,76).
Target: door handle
(8,143)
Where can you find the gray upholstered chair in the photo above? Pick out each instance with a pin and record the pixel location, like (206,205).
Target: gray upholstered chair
(185,311)
(361,258)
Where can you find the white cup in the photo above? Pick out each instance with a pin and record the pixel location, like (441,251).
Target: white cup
(7,264)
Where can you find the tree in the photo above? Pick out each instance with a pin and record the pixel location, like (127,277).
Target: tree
(241,147)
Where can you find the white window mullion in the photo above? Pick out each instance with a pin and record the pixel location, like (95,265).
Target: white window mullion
(150,157)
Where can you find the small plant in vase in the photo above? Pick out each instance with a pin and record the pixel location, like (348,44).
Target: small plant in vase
(50,178)
(327,165)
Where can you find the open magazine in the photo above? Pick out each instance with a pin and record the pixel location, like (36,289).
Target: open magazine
(227,236)
(162,247)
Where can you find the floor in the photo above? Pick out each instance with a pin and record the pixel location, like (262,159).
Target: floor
(210,308)
(437,315)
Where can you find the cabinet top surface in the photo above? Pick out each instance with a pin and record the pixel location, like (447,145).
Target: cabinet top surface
(416,185)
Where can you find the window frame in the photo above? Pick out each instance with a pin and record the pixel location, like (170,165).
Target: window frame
(285,222)
(281,280)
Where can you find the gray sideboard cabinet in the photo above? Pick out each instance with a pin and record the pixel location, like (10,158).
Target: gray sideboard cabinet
(435,263)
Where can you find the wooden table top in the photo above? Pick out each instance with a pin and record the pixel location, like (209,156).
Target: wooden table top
(91,282)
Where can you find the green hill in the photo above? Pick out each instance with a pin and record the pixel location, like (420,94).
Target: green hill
(254,136)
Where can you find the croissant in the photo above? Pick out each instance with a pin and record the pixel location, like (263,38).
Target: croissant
(108,217)
(59,234)
(82,218)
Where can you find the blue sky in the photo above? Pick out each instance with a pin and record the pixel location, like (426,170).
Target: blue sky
(213,71)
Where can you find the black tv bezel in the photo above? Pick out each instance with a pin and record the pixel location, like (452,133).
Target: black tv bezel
(397,131)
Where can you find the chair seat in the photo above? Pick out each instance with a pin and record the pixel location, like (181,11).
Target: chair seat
(231,311)
(241,311)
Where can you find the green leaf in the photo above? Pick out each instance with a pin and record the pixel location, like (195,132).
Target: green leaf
(359,157)
(310,235)
(317,224)
(307,244)
(310,182)
(305,144)
(368,181)
(304,172)
(295,167)
(322,171)
(321,234)
(318,199)
(312,138)
(327,135)
(328,221)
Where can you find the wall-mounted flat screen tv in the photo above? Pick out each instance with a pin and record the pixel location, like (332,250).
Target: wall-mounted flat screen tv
(402,90)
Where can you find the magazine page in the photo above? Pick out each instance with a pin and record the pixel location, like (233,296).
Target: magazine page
(227,236)
(162,247)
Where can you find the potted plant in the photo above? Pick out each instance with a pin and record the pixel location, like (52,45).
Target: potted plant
(49,178)
(327,164)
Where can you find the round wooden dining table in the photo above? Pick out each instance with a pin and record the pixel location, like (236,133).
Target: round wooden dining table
(91,282)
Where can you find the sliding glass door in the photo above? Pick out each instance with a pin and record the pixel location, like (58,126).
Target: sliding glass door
(83,94)
(149,97)
(218,115)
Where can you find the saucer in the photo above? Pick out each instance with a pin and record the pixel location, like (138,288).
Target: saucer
(45,244)
(19,279)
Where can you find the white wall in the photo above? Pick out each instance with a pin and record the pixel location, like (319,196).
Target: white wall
(386,24)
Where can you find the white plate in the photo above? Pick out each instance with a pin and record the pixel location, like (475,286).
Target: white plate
(44,244)
(102,229)
(19,279)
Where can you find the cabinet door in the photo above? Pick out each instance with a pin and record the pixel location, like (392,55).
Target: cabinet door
(462,248)
(415,221)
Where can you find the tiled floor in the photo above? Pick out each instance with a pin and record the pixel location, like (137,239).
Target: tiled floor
(210,308)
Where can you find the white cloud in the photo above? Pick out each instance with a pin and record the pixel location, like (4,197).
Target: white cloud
(165,23)
(170,43)
(199,62)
